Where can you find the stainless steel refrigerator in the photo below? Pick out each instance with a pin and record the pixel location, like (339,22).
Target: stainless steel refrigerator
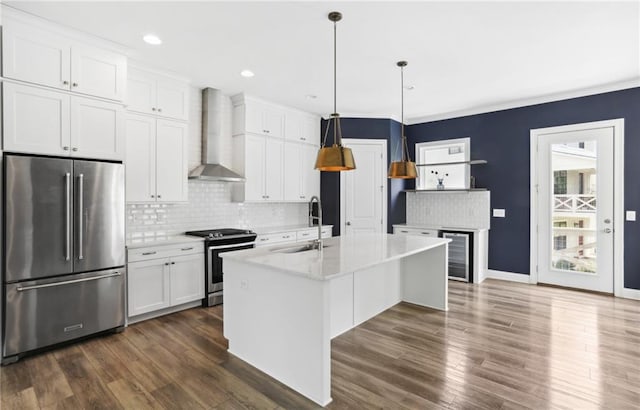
(64,251)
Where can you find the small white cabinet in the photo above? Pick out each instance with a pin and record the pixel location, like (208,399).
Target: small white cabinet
(164,276)
(301,179)
(39,121)
(152,93)
(259,117)
(41,56)
(260,159)
(302,127)
(156,160)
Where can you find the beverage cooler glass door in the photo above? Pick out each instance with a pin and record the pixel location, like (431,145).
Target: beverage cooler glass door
(99,215)
(38,217)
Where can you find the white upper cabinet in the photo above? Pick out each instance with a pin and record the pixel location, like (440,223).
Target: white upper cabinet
(40,56)
(96,129)
(140,158)
(156,159)
(36,56)
(98,72)
(151,93)
(257,117)
(302,127)
(50,134)
(260,159)
(39,121)
(171,161)
(301,179)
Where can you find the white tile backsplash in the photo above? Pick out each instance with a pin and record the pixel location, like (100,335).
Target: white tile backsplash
(449,209)
(209,206)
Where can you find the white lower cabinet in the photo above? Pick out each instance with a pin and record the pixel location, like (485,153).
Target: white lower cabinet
(163,277)
(148,286)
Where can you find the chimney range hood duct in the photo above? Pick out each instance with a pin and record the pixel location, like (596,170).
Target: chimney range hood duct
(212,114)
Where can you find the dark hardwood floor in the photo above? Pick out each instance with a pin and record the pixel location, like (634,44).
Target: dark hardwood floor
(501,346)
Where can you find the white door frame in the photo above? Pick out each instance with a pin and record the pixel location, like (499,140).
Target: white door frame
(385,194)
(618,196)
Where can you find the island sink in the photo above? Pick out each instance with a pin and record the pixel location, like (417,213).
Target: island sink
(297,248)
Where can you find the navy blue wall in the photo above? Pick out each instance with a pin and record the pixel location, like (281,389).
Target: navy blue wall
(362,128)
(503,139)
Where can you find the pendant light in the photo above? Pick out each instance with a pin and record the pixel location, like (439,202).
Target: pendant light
(405,168)
(335,157)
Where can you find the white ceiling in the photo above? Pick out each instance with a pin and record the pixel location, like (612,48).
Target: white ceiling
(462,56)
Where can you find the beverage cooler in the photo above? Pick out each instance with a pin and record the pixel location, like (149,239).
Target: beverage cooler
(460,255)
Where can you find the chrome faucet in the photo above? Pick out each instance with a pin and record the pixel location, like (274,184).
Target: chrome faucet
(317,243)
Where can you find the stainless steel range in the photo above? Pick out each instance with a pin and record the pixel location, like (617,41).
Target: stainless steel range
(216,242)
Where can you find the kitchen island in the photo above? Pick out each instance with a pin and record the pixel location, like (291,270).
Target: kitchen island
(284,304)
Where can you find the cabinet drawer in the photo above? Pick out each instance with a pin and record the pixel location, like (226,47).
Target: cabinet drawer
(271,238)
(415,231)
(327,232)
(167,251)
(307,234)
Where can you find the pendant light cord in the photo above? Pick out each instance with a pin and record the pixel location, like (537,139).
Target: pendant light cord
(334,116)
(402,140)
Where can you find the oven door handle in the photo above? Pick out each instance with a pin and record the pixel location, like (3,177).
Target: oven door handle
(235,245)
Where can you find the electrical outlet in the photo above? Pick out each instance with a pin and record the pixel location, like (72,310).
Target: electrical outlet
(631,215)
(498,213)
(244,284)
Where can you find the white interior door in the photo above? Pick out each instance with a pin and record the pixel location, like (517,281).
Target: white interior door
(575,174)
(363,193)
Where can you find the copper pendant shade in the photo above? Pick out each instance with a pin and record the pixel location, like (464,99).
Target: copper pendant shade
(336,157)
(405,168)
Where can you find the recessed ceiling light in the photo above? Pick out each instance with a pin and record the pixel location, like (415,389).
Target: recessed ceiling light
(247,73)
(152,39)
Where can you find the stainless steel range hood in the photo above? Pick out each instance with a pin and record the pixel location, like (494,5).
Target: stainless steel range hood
(212,115)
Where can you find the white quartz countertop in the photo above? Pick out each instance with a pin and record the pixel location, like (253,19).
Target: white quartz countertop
(341,255)
(286,228)
(161,240)
(440,228)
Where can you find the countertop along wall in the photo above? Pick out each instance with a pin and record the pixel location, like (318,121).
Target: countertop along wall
(502,138)
(210,204)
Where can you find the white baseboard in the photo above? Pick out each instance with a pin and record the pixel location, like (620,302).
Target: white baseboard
(631,293)
(509,276)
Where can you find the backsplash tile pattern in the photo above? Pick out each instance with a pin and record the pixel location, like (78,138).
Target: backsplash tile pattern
(209,206)
(449,209)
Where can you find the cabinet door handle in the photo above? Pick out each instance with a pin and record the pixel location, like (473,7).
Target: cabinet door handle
(166,264)
(153,196)
(149,253)
(159,196)
(74,149)
(75,84)
(153,108)
(173,263)
(186,249)
(159,109)
(65,148)
(263,239)
(65,82)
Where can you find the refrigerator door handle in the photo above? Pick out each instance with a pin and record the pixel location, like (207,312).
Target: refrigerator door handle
(80,215)
(67,282)
(67,233)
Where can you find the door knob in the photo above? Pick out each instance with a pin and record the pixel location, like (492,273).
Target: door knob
(608,230)
(348,223)
(607,221)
